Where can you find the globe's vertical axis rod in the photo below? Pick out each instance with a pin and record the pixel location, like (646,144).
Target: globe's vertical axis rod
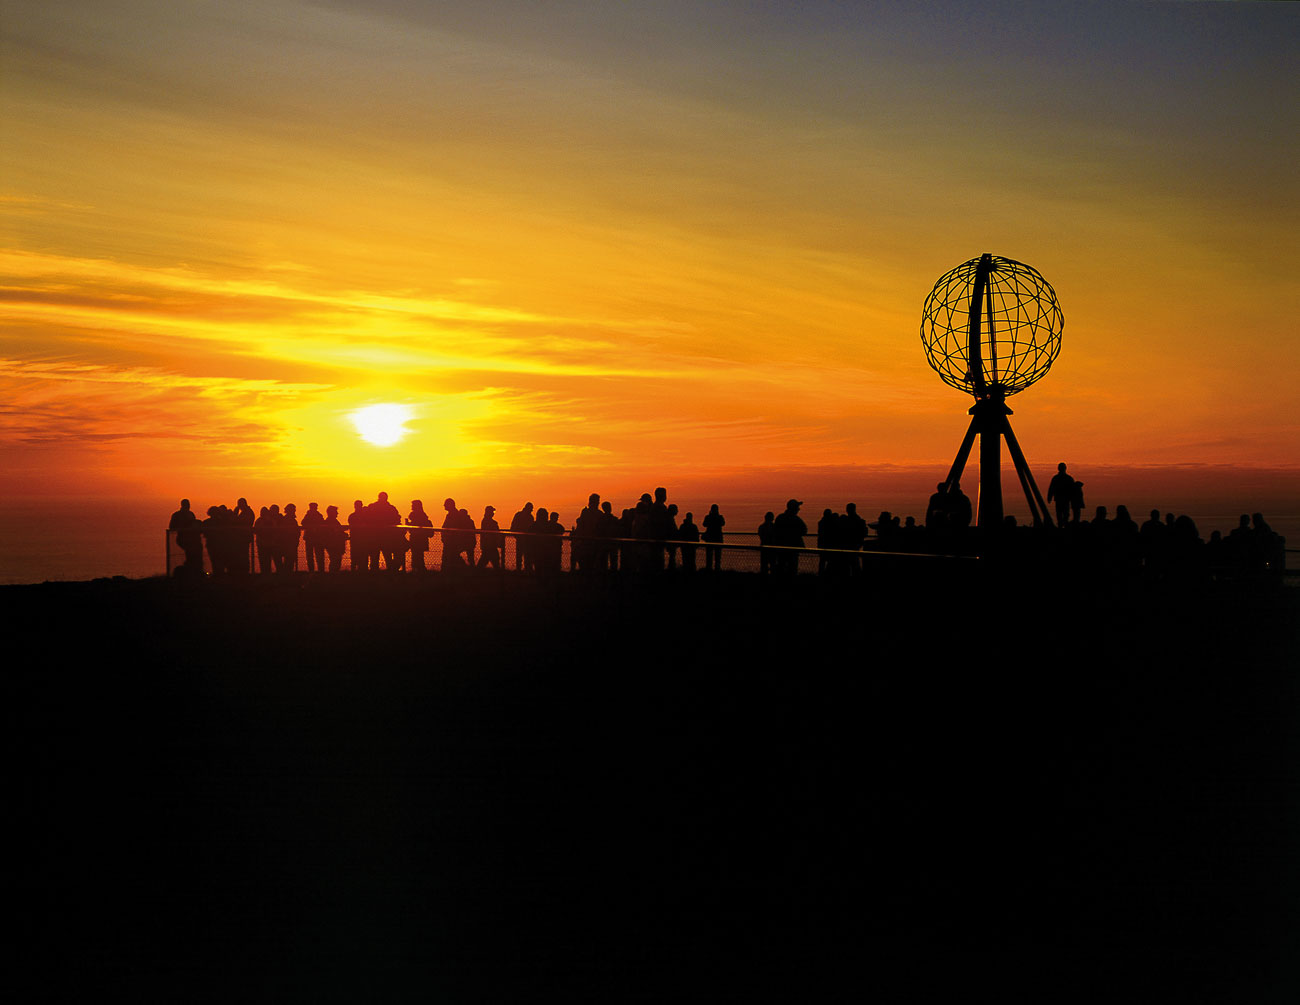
(989,411)
(974,360)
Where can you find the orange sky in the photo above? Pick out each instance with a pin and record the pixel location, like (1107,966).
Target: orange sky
(582,243)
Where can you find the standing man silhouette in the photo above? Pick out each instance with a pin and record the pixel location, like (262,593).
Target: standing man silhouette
(713,522)
(312,522)
(491,541)
(186,524)
(522,523)
(1061,488)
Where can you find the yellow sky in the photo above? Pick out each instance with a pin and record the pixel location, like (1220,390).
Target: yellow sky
(601,242)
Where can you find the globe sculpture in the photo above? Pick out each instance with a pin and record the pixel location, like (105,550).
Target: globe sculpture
(991,327)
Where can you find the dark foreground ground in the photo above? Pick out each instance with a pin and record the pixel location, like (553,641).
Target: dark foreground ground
(714,790)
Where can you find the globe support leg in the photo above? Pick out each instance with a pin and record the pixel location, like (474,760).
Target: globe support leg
(1037,506)
(963,453)
(989,421)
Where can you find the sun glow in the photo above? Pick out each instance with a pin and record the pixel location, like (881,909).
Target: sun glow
(382,425)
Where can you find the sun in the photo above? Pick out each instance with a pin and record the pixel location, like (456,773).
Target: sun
(382,425)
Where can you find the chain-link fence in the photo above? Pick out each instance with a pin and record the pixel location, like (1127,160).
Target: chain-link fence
(239,551)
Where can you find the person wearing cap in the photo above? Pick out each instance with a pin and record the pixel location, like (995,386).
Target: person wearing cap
(491,540)
(453,547)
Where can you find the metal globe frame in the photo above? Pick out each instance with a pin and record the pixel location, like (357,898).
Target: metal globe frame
(992,327)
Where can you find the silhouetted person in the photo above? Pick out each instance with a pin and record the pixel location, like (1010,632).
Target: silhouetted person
(468,533)
(1270,546)
(276,537)
(1126,547)
(670,535)
(217,534)
(244,518)
(586,529)
(1076,501)
(522,523)
(544,553)
(855,536)
(453,543)
(910,535)
(335,539)
(264,531)
(826,539)
(688,534)
(1215,555)
(1151,538)
(312,522)
(289,532)
(788,531)
(626,532)
(1061,489)
(766,538)
(936,513)
(388,528)
(418,518)
(959,508)
(885,527)
(1187,548)
(189,539)
(660,527)
(360,535)
(609,529)
(713,523)
(491,540)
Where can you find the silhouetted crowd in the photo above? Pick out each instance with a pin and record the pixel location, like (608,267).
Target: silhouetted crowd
(647,535)
(650,537)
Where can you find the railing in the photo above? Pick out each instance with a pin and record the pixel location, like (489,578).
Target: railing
(240,551)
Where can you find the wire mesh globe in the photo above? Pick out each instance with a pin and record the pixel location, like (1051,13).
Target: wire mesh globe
(1020,328)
